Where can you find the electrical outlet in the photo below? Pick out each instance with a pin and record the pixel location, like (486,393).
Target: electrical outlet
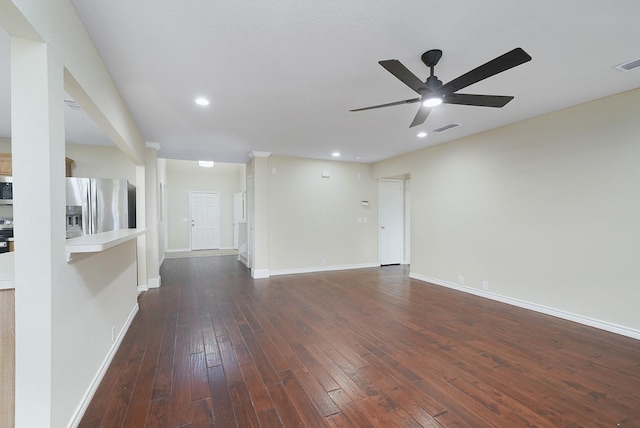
(113,333)
(485,285)
(461,280)
(324,262)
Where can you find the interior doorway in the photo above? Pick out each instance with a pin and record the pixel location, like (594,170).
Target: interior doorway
(204,213)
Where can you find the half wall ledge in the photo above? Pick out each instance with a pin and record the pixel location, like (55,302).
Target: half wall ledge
(91,244)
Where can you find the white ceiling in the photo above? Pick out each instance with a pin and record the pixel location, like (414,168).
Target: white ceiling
(283,74)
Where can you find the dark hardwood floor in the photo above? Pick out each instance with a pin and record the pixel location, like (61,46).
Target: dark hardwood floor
(359,348)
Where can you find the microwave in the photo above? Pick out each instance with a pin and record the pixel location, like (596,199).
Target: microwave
(6,190)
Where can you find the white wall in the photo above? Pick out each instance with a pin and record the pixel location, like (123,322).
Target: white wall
(162,204)
(546,210)
(96,294)
(312,219)
(61,309)
(152,208)
(5,147)
(185,176)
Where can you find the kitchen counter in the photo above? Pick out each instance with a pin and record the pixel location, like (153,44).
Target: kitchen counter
(7,271)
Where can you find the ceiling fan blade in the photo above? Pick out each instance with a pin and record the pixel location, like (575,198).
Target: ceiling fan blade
(397,103)
(477,100)
(421,116)
(498,65)
(396,68)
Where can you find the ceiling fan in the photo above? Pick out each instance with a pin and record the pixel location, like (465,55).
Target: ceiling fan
(432,92)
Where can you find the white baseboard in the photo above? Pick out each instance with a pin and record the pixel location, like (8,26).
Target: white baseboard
(322,268)
(93,386)
(177,250)
(154,282)
(558,313)
(142,288)
(243,259)
(259,273)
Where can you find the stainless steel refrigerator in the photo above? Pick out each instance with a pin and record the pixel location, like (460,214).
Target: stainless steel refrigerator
(97,205)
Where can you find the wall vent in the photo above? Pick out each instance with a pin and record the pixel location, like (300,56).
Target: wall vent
(630,65)
(446,127)
(72,105)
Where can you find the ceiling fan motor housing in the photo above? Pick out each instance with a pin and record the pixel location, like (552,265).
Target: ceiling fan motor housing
(433,83)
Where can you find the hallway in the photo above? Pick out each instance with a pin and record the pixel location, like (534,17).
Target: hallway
(366,347)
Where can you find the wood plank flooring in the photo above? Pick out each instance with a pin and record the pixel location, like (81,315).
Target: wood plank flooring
(359,348)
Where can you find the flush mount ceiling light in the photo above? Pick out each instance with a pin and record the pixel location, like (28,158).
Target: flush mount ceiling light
(335,154)
(206,164)
(422,134)
(201,101)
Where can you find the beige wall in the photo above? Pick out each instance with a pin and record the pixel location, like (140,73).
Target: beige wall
(89,161)
(93,160)
(5,145)
(546,210)
(312,219)
(185,176)
(100,162)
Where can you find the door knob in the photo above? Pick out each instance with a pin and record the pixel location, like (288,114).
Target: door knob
(381,227)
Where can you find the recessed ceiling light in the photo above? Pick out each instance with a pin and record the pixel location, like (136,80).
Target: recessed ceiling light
(202,101)
(206,164)
(335,154)
(432,102)
(422,134)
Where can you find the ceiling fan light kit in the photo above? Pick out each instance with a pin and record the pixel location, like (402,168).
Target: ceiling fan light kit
(433,92)
(432,102)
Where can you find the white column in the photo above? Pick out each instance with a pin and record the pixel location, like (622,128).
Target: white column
(153,207)
(141,223)
(260,223)
(37,131)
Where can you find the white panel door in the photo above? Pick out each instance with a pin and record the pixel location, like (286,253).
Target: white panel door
(407,221)
(391,214)
(204,209)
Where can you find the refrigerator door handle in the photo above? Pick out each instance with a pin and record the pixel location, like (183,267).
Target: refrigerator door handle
(93,204)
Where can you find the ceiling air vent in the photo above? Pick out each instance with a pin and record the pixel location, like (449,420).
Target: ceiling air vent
(630,65)
(72,105)
(446,127)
